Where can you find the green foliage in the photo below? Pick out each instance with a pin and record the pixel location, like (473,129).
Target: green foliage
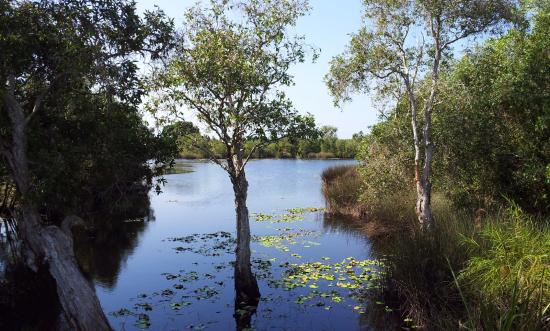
(399,52)
(59,46)
(107,151)
(387,170)
(499,90)
(230,73)
(70,66)
(503,93)
(399,41)
(195,146)
(508,272)
(171,133)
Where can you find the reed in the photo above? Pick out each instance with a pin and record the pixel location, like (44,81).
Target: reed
(473,270)
(341,189)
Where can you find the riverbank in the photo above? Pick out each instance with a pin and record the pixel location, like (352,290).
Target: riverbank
(488,272)
(315,156)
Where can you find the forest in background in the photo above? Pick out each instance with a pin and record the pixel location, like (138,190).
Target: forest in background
(323,144)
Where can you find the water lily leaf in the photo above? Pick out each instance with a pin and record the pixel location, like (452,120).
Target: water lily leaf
(143,321)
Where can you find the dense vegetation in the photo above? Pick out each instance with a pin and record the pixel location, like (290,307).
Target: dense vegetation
(322,144)
(485,264)
(71,136)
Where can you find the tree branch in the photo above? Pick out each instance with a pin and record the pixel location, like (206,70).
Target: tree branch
(250,154)
(37,104)
(211,156)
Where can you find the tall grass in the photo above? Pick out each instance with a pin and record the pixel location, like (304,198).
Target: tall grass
(344,195)
(455,276)
(467,273)
(508,273)
(342,188)
(420,270)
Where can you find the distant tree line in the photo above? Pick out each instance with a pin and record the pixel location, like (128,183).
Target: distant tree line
(179,137)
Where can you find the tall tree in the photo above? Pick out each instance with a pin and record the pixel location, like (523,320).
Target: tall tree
(53,53)
(401,48)
(230,63)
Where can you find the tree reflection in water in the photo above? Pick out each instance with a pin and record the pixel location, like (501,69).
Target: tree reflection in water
(102,248)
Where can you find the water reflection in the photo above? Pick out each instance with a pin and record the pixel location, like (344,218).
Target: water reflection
(101,256)
(104,245)
(188,282)
(342,224)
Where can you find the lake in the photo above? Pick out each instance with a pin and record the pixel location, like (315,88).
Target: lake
(172,270)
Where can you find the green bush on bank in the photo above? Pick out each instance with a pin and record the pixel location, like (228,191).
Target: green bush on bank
(507,274)
(490,273)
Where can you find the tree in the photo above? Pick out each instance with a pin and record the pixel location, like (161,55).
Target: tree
(328,139)
(402,47)
(229,71)
(173,132)
(55,54)
(499,90)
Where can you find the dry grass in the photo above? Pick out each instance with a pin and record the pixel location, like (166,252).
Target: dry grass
(321,155)
(342,189)
(343,196)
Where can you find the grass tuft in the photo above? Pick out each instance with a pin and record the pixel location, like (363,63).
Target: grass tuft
(342,188)
(472,271)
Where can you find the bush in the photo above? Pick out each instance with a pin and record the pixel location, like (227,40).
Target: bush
(508,273)
(496,278)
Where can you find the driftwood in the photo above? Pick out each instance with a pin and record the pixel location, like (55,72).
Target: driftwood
(53,247)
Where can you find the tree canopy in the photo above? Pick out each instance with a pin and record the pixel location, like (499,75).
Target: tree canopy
(229,72)
(402,43)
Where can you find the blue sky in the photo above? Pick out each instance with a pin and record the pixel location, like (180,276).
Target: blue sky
(326,27)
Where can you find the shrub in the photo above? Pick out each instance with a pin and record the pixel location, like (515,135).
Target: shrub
(508,273)
(496,278)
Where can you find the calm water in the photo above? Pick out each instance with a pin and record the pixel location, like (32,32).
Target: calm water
(160,283)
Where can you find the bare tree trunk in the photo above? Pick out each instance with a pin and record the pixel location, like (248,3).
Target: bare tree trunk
(50,246)
(426,216)
(247,293)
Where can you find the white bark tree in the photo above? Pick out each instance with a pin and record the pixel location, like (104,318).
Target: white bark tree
(399,53)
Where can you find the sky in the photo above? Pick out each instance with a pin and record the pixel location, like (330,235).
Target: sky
(327,27)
